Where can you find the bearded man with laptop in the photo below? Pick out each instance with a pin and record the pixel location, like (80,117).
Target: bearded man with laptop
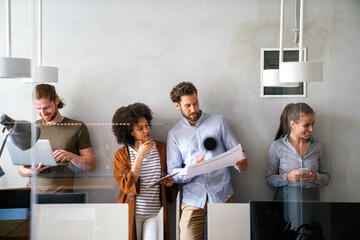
(70,142)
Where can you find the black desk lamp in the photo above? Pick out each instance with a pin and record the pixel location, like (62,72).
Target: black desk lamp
(19,133)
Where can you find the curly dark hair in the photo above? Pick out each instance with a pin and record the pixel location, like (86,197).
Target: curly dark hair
(124,120)
(183,88)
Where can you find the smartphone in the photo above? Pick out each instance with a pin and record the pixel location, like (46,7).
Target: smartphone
(304,170)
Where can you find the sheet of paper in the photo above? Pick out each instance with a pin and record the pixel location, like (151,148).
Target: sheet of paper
(228,158)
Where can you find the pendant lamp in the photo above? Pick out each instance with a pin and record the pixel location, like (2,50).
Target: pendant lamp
(12,67)
(290,72)
(271,79)
(271,76)
(43,74)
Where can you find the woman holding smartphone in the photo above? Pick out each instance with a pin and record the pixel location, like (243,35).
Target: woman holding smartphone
(297,162)
(138,164)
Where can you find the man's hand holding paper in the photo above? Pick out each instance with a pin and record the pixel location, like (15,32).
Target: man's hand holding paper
(223,160)
(242,164)
(199,159)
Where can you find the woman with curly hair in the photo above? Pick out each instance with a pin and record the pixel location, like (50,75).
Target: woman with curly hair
(139,163)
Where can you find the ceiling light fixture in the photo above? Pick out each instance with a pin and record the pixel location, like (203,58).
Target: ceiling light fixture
(12,67)
(43,74)
(290,72)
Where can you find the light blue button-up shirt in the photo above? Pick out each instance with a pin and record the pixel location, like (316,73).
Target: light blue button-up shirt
(283,158)
(185,144)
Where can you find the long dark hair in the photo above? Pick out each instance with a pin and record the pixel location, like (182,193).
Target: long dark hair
(291,112)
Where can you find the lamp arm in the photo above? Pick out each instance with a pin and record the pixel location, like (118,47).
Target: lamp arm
(4,141)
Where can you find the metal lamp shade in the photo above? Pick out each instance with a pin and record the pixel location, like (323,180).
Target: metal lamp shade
(15,67)
(271,79)
(20,132)
(21,136)
(44,75)
(291,72)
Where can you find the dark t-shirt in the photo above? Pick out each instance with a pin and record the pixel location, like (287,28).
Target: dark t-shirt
(69,135)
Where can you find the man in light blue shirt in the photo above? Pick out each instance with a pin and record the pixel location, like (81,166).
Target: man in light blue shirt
(185,147)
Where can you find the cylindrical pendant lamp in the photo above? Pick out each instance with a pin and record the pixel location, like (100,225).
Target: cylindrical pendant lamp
(12,67)
(271,79)
(43,74)
(300,71)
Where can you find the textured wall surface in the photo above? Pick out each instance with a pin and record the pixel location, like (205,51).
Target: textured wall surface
(112,53)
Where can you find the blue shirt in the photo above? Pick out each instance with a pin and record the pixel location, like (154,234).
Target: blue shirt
(185,144)
(283,158)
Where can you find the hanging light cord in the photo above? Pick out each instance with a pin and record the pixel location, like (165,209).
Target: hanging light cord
(8,29)
(296,25)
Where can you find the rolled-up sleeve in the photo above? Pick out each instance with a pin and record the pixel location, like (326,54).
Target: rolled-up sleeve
(229,140)
(174,160)
(227,136)
(323,174)
(273,177)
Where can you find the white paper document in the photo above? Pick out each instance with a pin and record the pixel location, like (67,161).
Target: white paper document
(228,158)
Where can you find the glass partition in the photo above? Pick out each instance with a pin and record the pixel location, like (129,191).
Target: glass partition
(113,54)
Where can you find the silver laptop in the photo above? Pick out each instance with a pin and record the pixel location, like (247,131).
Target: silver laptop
(42,154)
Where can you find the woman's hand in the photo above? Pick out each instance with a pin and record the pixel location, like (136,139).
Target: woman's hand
(168,181)
(145,147)
(310,177)
(293,176)
(142,148)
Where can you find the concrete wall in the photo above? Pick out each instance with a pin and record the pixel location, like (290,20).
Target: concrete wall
(112,53)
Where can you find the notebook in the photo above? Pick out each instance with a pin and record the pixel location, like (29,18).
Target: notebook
(42,154)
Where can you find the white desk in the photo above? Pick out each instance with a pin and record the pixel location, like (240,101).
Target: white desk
(229,221)
(81,221)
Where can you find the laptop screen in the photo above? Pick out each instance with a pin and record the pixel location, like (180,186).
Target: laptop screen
(41,152)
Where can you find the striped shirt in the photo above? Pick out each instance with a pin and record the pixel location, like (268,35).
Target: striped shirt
(148,199)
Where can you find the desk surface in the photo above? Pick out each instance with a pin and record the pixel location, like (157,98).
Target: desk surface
(79,183)
(229,221)
(82,221)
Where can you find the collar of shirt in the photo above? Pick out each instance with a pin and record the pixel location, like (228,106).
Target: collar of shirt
(286,139)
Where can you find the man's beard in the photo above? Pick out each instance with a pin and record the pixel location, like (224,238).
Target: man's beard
(52,116)
(192,119)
